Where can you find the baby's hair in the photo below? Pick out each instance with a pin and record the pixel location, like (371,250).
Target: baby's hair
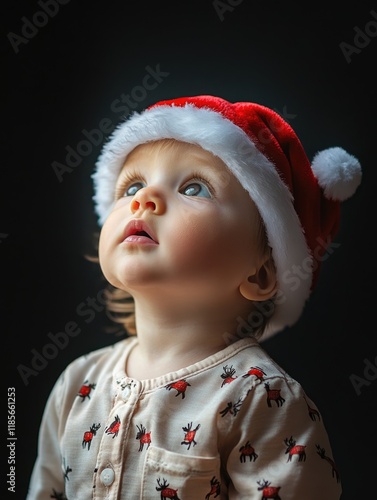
(120,306)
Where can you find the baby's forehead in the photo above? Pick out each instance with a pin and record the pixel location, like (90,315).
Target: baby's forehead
(180,150)
(166,145)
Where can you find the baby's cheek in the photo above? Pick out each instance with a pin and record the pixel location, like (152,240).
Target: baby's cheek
(103,242)
(104,247)
(196,239)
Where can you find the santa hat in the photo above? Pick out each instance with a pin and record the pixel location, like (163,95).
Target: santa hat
(298,201)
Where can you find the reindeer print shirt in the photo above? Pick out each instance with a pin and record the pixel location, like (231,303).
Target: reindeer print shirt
(232,426)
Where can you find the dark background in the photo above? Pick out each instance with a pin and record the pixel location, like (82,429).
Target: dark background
(309,62)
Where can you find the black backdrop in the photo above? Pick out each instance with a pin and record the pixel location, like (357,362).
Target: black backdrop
(65,69)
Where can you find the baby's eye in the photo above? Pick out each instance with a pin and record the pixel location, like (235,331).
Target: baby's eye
(133,188)
(196,189)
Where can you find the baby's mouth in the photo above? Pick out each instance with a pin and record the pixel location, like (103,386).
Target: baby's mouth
(143,233)
(138,231)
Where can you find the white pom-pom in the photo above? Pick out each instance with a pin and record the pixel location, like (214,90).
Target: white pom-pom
(338,173)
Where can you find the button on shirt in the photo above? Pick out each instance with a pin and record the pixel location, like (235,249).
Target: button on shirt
(232,426)
(107,476)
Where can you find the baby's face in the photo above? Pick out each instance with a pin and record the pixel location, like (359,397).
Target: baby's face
(181,222)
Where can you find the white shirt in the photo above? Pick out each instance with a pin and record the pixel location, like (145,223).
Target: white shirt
(232,426)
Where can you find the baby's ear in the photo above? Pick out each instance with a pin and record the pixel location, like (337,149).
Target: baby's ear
(261,284)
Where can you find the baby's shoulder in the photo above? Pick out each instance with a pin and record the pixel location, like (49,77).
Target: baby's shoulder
(255,360)
(255,364)
(94,364)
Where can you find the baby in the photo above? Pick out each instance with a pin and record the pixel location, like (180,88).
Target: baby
(210,213)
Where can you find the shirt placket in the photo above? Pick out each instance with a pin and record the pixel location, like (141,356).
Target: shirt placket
(110,459)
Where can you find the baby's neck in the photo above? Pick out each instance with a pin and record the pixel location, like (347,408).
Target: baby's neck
(158,353)
(144,365)
(175,332)
(167,343)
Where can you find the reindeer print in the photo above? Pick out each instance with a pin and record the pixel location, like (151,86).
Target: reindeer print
(273,395)
(166,492)
(123,384)
(268,492)
(190,434)
(113,428)
(180,386)
(227,376)
(143,436)
(247,451)
(232,408)
(322,453)
(66,470)
(89,435)
(85,390)
(215,488)
(257,372)
(313,413)
(295,449)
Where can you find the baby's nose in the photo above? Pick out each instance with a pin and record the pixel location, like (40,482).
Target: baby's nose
(149,198)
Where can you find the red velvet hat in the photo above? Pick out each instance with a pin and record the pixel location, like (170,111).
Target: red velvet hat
(298,201)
